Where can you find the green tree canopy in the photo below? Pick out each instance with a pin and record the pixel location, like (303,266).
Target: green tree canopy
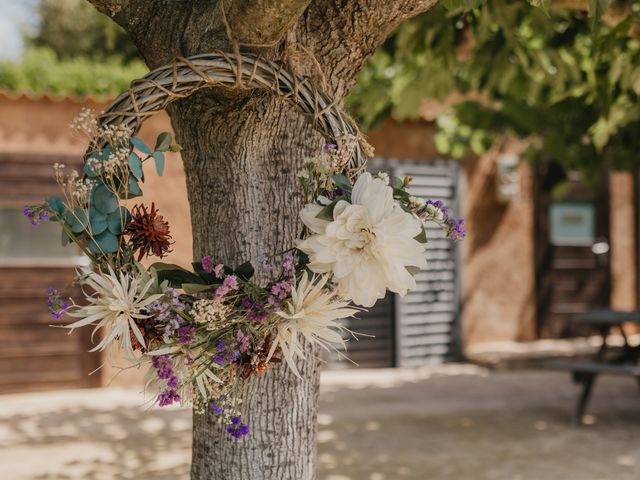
(75,50)
(553,75)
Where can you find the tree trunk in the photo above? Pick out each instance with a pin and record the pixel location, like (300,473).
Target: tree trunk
(241,156)
(244,194)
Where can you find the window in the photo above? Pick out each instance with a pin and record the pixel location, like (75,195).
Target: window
(20,243)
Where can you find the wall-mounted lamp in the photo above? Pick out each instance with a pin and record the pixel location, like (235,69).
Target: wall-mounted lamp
(507,177)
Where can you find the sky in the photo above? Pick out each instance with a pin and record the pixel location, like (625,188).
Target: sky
(16,16)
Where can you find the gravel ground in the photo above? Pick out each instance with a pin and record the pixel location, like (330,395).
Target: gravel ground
(448,423)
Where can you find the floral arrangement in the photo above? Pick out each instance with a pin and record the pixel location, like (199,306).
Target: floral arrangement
(202,333)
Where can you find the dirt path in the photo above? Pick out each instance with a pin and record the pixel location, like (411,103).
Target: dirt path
(455,423)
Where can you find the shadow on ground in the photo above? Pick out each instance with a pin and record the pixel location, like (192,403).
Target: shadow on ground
(507,426)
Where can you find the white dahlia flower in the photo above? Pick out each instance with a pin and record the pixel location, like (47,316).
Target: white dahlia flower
(114,305)
(368,245)
(311,313)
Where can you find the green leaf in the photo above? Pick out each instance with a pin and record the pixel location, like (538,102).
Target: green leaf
(422,236)
(245,271)
(135,165)
(98,221)
(342,182)
(79,220)
(412,270)
(65,239)
(175,148)
(461,4)
(158,158)
(597,9)
(195,288)
(140,145)
(134,188)
(103,199)
(88,171)
(117,219)
(106,242)
(163,142)
(175,275)
(56,204)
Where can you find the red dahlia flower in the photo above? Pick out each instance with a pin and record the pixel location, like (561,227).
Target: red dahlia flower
(149,232)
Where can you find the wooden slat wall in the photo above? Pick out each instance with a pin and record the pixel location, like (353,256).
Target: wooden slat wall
(428,318)
(26,178)
(35,356)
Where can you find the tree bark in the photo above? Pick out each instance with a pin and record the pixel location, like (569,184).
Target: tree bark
(242,151)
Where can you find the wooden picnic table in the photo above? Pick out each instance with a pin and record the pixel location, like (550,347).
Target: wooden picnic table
(608,359)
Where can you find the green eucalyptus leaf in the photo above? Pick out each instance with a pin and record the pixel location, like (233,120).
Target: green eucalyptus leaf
(103,199)
(140,145)
(56,204)
(98,221)
(163,142)
(116,220)
(79,220)
(106,242)
(134,188)
(135,165)
(65,239)
(88,171)
(158,158)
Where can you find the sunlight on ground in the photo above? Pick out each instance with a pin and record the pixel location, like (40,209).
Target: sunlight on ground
(414,425)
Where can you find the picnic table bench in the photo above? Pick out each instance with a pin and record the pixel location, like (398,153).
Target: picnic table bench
(608,360)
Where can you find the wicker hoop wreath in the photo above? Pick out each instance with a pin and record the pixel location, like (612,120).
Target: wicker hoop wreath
(186,76)
(204,332)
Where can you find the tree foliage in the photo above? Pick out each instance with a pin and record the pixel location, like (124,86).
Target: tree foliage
(75,50)
(556,76)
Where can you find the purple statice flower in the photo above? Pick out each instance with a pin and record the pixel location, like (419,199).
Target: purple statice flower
(168,397)
(206,263)
(262,261)
(330,147)
(35,214)
(288,263)
(243,339)
(436,211)
(185,334)
(57,306)
(229,283)
(237,429)
(281,289)
(456,228)
(216,409)
(166,312)
(217,270)
(164,369)
(256,311)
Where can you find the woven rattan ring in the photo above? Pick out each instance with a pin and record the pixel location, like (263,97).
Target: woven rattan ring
(186,76)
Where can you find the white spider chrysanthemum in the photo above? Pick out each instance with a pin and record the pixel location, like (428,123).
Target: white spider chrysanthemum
(368,244)
(114,305)
(311,313)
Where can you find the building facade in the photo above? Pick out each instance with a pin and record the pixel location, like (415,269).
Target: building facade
(531,259)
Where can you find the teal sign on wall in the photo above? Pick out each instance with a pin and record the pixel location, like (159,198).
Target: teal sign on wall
(572,223)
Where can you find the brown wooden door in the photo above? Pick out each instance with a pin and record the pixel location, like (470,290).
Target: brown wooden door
(33,355)
(572,235)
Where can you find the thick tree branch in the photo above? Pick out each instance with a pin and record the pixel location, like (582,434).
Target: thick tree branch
(342,34)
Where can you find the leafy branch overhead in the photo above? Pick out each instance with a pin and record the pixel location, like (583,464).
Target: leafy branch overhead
(551,74)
